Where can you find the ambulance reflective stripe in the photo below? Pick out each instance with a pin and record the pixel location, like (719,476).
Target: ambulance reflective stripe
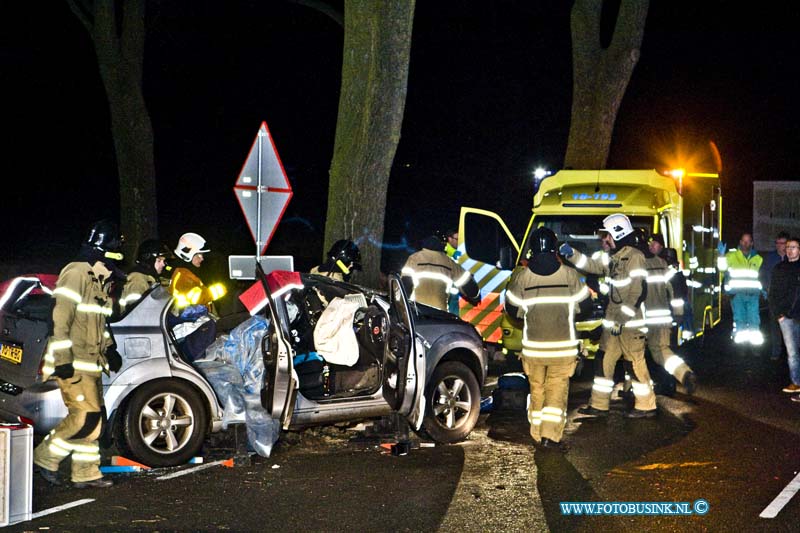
(552,414)
(641,389)
(672,363)
(603,385)
(487,316)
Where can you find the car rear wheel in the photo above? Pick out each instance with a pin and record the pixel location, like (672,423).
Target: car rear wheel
(165,423)
(453,403)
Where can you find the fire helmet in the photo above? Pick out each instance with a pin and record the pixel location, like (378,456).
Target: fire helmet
(104,235)
(347,252)
(189,245)
(543,241)
(617,225)
(150,249)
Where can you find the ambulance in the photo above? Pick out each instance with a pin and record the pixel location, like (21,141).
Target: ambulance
(686,208)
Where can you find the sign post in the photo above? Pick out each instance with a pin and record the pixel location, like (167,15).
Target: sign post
(263,190)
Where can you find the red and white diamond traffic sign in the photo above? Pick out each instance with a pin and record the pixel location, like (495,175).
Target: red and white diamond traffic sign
(262,189)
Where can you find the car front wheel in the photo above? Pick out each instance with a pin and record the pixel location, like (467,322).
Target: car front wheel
(165,423)
(452,403)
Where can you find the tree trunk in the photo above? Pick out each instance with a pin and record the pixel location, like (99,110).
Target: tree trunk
(120,58)
(600,77)
(377,46)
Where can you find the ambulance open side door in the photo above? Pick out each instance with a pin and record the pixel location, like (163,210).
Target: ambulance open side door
(488,250)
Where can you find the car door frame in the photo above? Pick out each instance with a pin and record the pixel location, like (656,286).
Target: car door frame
(408,400)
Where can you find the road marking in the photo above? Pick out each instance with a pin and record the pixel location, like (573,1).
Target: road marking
(190,470)
(61,508)
(772,510)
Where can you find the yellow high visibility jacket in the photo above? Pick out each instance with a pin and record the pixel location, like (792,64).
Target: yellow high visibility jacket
(625,274)
(79,321)
(548,305)
(741,272)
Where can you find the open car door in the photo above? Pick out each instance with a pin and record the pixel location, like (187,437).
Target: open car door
(404,359)
(489,251)
(280,384)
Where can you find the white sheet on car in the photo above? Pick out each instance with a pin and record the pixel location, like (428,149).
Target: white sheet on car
(334,337)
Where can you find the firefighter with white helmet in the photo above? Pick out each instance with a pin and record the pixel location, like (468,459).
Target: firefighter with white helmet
(191,248)
(547,296)
(623,327)
(79,351)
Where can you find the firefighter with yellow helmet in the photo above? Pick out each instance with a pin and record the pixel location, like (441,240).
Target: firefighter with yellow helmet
(547,295)
(79,351)
(623,326)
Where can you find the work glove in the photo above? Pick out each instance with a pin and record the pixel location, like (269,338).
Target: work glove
(566,250)
(721,248)
(114,359)
(64,371)
(616,329)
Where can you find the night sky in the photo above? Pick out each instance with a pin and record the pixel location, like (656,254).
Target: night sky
(488,101)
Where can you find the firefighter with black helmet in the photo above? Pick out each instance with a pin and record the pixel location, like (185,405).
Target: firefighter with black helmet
(79,350)
(624,325)
(547,296)
(343,257)
(151,262)
(430,276)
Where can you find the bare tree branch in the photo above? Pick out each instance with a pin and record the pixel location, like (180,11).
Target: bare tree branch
(83,10)
(324,8)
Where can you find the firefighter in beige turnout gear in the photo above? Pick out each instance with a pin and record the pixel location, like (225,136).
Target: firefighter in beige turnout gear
(547,296)
(624,325)
(77,355)
(430,276)
(660,306)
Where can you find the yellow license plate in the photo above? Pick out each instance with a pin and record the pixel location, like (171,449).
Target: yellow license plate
(11,352)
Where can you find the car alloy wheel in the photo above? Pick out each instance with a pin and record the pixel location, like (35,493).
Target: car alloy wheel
(453,402)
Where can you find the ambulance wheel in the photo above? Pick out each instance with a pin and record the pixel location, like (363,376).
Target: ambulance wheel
(164,423)
(452,403)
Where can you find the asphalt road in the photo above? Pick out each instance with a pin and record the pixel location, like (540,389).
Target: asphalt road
(733,444)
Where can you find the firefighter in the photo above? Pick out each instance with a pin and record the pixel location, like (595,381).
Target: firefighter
(151,262)
(547,296)
(343,257)
(185,285)
(79,350)
(660,306)
(623,325)
(431,276)
(741,268)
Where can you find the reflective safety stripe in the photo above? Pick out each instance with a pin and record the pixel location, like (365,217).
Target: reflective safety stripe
(68,293)
(602,257)
(743,284)
(58,450)
(462,280)
(603,385)
(132,297)
(743,273)
(549,344)
(641,389)
(94,308)
(620,282)
(217,291)
(677,302)
(658,312)
(535,418)
(582,260)
(549,353)
(604,288)
(59,345)
(87,367)
(528,302)
(551,418)
(658,320)
(85,457)
(638,273)
(628,310)
(672,363)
